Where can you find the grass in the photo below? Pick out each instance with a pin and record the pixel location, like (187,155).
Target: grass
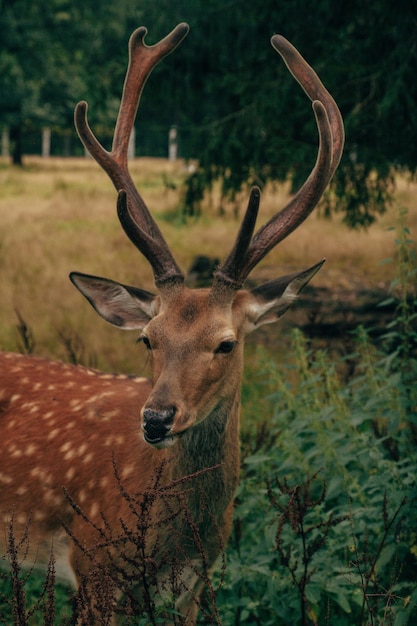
(58,215)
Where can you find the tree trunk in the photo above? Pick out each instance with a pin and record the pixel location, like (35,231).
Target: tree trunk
(16,145)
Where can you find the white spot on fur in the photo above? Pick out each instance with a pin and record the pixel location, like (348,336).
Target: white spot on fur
(70,473)
(108,415)
(21,519)
(127,470)
(53,433)
(94,510)
(69,455)
(82,449)
(30,449)
(92,399)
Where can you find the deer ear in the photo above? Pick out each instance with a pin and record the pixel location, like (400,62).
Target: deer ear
(123,306)
(272,299)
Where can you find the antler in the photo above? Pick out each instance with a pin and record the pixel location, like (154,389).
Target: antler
(247,252)
(135,217)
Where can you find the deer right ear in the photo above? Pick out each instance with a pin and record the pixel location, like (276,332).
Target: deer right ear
(127,307)
(272,299)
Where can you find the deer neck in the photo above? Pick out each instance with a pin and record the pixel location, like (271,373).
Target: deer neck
(209,454)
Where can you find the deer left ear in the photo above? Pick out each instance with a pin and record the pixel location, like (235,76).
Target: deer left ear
(127,307)
(272,299)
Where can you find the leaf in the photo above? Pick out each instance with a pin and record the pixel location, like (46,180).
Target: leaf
(313,593)
(387,554)
(257,459)
(341,599)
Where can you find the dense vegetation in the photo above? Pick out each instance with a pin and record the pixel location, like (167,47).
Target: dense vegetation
(331,481)
(237,110)
(333,489)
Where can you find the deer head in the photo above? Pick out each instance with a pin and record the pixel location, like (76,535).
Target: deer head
(195,337)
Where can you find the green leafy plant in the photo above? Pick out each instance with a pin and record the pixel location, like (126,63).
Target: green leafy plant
(340,550)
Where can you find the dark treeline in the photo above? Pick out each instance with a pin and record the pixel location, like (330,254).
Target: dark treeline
(237,109)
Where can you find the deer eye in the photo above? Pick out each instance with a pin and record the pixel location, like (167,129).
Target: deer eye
(225,347)
(146,341)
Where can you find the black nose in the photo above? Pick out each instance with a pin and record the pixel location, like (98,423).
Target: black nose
(157,423)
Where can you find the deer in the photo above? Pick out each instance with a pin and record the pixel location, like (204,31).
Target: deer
(75,442)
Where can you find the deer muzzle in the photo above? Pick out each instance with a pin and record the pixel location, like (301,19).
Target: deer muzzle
(157,424)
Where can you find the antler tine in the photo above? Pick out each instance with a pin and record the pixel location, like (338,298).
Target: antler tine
(140,223)
(315,90)
(233,273)
(165,270)
(226,274)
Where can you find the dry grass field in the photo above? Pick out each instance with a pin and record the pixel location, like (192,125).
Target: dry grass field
(59,215)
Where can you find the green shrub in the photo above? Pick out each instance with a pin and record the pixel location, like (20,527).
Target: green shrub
(325,528)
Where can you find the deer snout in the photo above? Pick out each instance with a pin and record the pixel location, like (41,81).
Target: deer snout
(157,423)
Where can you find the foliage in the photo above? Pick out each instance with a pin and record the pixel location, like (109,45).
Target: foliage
(338,542)
(254,124)
(19,588)
(49,57)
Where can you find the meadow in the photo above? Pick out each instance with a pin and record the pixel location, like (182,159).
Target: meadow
(324,528)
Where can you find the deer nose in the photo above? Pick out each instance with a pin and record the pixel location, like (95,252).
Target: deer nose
(157,423)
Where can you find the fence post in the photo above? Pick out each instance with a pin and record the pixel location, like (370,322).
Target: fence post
(5,143)
(46,142)
(173,144)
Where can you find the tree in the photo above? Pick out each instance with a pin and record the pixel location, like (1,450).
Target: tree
(56,53)
(251,123)
(32,66)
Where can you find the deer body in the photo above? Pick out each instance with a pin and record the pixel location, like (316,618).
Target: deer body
(131,478)
(51,439)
